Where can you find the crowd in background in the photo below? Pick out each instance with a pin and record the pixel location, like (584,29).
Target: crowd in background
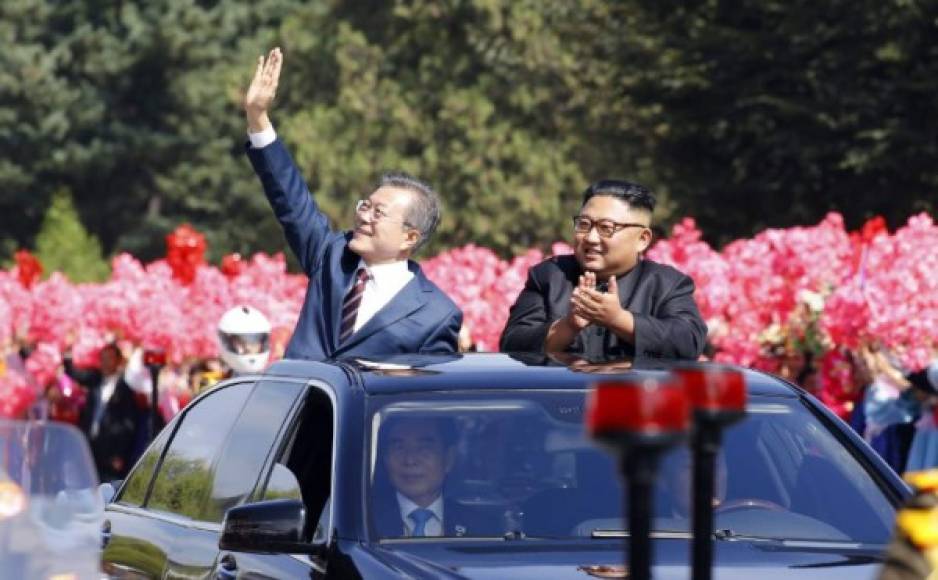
(852,317)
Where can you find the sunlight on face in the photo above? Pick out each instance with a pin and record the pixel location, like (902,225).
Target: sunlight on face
(617,254)
(380,234)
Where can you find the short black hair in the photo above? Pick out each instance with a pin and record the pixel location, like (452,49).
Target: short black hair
(113,347)
(636,195)
(444,426)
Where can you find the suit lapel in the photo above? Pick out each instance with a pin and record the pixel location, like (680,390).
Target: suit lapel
(409,299)
(388,517)
(629,283)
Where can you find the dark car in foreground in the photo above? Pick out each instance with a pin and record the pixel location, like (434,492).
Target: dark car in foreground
(286,475)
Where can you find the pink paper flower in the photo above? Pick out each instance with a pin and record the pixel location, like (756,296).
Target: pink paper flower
(45,363)
(17,394)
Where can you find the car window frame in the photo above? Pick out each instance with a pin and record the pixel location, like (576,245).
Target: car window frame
(835,428)
(896,491)
(260,386)
(170,517)
(894,487)
(117,501)
(286,435)
(215,457)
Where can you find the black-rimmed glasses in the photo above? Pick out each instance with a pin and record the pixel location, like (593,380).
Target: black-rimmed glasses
(605,228)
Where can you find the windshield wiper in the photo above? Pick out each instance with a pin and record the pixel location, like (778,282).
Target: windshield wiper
(662,534)
(728,534)
(796,543)
(724,534)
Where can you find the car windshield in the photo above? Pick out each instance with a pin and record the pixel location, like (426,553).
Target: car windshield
(519,465)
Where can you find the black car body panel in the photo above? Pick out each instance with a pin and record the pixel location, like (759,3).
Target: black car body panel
(336,401)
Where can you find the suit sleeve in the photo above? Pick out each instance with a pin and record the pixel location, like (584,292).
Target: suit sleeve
(89,378)
(304,225)
(527,326)
(677,330)
(445,338)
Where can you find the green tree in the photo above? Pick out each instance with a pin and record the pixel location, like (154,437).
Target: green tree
(769,113)
(743,113)
(38,109)
(63,244)
(133,106)
(416,86)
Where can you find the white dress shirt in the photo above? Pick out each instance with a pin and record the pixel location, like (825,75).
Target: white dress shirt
(433,527)
(103,395)
(384,282)
(262,139)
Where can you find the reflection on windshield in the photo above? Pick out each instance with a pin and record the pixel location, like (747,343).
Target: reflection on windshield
(44,458)
(466,466)
(50,509)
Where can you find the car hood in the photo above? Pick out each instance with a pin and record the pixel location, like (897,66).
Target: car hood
(546,560)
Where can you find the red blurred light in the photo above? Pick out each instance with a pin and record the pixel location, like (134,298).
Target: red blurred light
(154,357)
(713,388)
(646,407)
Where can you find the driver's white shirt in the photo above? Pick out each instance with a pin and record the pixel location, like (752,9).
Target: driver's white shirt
(433,527)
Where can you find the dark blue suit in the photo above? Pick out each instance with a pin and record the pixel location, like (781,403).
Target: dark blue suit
(420,318)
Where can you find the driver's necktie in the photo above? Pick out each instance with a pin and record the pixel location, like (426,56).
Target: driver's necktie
(420,517)
(351,303)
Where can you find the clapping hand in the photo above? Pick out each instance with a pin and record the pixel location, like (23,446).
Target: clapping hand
(585,282)
(260,94)
(593,306)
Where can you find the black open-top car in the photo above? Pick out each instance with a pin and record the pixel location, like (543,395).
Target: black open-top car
(319,470)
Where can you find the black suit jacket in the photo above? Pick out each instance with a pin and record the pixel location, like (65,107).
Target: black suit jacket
(667,321)
(122,429)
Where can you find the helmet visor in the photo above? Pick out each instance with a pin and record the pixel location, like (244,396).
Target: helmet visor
(249,343)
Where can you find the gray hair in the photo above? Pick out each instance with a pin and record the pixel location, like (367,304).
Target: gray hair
(425,209)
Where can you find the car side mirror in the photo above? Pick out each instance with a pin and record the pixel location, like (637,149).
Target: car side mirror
(274,526)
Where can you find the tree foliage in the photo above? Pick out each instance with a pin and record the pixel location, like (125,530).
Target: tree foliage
(773,113)
(64,245)
(743,113)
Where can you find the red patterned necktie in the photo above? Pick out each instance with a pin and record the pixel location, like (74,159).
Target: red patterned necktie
(351,303)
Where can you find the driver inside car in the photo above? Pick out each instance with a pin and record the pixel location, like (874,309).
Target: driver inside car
(417,454)
(676,478)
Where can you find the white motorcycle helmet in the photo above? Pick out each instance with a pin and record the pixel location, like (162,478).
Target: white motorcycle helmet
(244,338)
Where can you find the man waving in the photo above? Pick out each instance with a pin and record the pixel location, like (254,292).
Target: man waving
(365,296)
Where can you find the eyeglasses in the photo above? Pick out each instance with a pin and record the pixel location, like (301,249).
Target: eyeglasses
(606,228)
(364,207)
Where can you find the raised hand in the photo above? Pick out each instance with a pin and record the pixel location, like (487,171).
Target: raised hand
(260,94)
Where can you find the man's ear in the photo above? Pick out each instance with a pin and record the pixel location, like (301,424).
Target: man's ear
(411,238)
(644,239)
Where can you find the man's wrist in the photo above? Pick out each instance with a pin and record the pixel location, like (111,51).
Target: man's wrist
(263,138)
(570,325)
(623,323)
(258,122)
